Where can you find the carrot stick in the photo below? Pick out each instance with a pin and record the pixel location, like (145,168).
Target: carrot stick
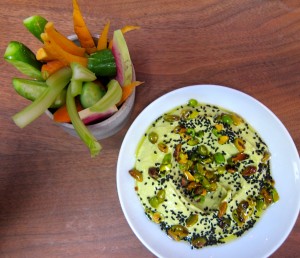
(61,115)
(102,42)
(84,36)
(43,55)
(128,28)
(63,56)
(127,90)
(124,30)
(51,67)
(63,41)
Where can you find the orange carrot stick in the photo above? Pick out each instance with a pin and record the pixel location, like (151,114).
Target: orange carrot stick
(63,41)
(43,55)
(127,90)
(51,67)
(102,42)
(84,36)
(124,30)
(128,28)
(61,115)
(63,56)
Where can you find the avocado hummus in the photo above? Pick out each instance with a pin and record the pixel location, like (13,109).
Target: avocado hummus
(202,173)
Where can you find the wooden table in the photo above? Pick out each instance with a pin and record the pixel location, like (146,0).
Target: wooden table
(58,202)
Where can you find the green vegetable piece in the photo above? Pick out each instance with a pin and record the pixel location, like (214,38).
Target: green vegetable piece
(82,131)
(178,232)
(102,63)
(171,118)
(91,93)
(154,202)
(274,194)
(161,194)
(193,142)
(199,134)
(153,137)
(221,170)
(165,168)
(227,119)
(202,150)
(112,97)
(191,220)
(199,198)
(35,24)
(198,242)
(32,89)
(123,61)
(23,59)
(56,83)
(219,158)
(80,74)
(191,131)
(260,203)
(205,183)
(193,103)
(215,132)
(167,159)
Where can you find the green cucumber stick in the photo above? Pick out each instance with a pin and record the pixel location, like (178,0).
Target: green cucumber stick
(36,25)
(82,131)
(56,83)
(32,89)
(22,58)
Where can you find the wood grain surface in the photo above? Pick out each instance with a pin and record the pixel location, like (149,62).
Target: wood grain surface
(55,201)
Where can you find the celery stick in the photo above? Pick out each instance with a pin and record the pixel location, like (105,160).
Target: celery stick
(56,83)
(32,89)
(80,74)
(111,97)
(76,87)
(82,131)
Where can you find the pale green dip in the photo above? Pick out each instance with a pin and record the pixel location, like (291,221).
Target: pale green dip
(230,187)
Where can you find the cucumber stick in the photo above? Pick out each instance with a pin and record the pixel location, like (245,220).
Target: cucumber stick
(91,93)
(31,90)
(23,59)
(35,24)
(102,63)
(56,84)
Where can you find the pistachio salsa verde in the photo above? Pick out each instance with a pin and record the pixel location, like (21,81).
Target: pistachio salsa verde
(203,174)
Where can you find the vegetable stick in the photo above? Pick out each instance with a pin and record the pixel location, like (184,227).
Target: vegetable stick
(124,30)
(61,115)
(128,28)
(51,67)
(63,56)
(43,55)
(84,36)
(102,42)
(127,90)
(63,41)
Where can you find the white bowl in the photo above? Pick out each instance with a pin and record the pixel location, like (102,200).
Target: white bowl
(109,126)
(275,224)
